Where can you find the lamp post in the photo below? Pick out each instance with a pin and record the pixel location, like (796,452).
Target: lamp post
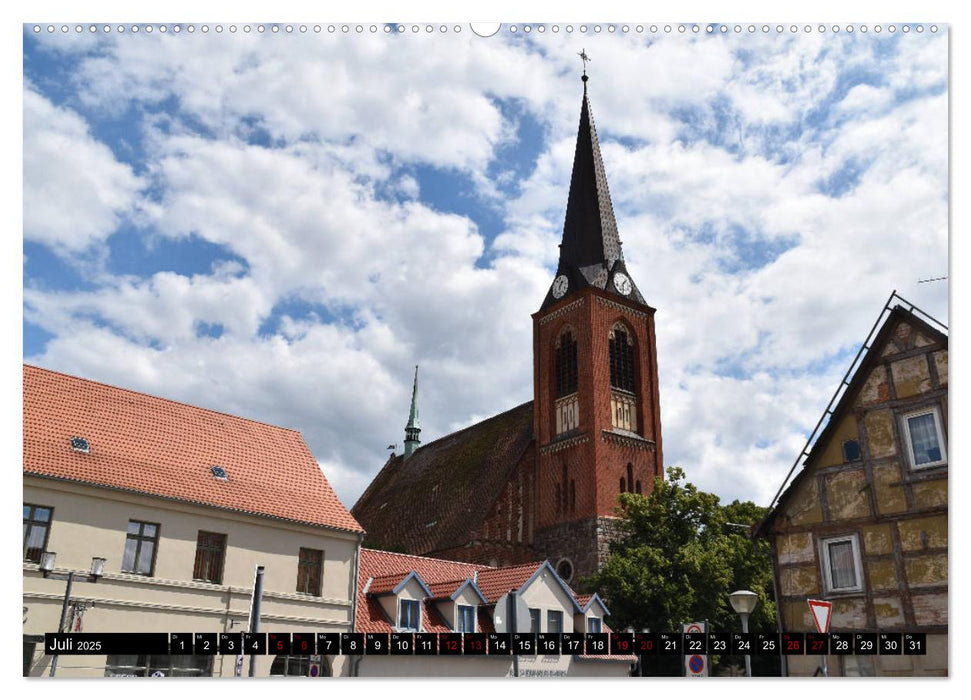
(743,603)
(46,566)
(638,665)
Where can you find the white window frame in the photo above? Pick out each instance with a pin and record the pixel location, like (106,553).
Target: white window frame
(905,430)
(550,614)
(599,625)
(458,617)
(827,570)
(401,604)
(536,620)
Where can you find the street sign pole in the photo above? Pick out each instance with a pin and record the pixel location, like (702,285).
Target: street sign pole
(514,627)
(694,665)
(254,615)
(822,612)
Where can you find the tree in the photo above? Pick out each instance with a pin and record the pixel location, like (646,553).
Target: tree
(679,554)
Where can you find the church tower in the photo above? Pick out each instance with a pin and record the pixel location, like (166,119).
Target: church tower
(596,413)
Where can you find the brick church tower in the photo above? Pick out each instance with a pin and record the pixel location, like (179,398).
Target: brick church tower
(541,480)
(596,417)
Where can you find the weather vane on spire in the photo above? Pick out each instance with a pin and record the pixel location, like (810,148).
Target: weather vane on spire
(583,57)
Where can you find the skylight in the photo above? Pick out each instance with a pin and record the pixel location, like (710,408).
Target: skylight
(79,444)
(219,472)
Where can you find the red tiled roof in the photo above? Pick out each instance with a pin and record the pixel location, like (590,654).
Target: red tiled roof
(385,570)
(583,599)
(388,569)
(444,589)
(494,583)
(159,447)
(385,584)
(376,563)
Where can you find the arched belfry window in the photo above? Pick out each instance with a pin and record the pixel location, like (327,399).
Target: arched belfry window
(566,404)
(621,358)
(566,364)
(623,387)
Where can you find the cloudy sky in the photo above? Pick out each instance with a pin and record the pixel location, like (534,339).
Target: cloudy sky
(281,225)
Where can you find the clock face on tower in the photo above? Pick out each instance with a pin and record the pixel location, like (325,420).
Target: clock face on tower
(560,285)
(622,283)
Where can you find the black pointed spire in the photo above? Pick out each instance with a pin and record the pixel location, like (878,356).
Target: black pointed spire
(590,253)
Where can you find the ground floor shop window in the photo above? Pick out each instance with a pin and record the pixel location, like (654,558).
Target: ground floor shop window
(131,665)
(312,666)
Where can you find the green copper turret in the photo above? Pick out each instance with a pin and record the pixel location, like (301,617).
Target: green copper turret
(413,428)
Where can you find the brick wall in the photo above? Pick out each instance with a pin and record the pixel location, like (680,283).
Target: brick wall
(506,535)
(594,460)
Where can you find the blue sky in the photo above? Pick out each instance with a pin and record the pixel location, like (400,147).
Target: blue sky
(281,225)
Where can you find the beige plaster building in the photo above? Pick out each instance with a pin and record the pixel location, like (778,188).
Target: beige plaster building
(864,524)
(183,503)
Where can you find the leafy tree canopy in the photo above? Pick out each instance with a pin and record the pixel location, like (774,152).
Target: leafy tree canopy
(679,556)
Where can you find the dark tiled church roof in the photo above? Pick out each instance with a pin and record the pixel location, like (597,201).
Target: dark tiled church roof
(430,501)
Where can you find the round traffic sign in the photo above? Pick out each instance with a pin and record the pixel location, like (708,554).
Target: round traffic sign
(696,664)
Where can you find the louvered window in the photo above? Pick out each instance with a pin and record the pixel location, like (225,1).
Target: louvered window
(621,359)
(566,365)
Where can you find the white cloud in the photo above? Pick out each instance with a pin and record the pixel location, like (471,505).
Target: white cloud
(75,191)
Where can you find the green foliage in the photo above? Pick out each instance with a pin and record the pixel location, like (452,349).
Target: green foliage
(678,558)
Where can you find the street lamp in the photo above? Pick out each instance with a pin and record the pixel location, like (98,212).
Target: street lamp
(46,567)
(638,665)
(743,603)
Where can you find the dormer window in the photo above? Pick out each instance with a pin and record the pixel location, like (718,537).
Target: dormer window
(79,444)
(465,621)
(409,615)
(594,625)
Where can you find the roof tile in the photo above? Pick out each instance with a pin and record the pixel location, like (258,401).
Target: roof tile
(495,583)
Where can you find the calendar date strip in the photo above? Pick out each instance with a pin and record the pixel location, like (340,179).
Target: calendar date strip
(482,643)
